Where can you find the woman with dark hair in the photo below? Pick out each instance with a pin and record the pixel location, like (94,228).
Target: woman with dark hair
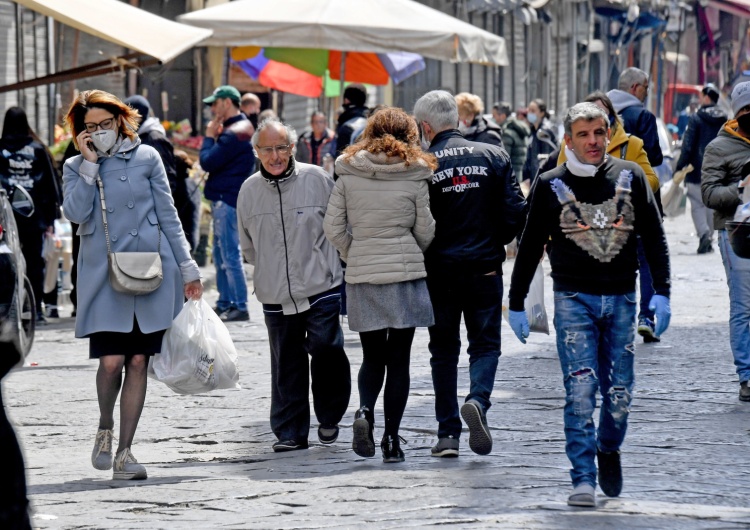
(123,329)
(24,160)
(543,138)
(379,219)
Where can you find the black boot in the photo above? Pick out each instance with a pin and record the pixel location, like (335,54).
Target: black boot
(363,442)
(704,247)
(391,449)
(610,473)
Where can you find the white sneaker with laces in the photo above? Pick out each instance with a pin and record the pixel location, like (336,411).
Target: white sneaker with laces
(101,456)
(126,467)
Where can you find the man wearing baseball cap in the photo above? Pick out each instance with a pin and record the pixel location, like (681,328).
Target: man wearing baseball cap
(702,128)
(726,162)
(228,157)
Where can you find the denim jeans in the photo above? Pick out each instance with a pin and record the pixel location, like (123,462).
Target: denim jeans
(738,280)
(317,333)
(479,299)
(645,282)
(230,276)
(595,344)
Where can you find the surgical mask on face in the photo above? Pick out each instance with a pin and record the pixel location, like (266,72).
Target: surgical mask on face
(103,140)
(423,140)
(532,117)
(744,122)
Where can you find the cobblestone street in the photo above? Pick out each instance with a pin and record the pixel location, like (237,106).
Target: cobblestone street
(210,462)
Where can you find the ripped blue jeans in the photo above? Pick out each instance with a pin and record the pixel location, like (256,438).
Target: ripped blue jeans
(595,337)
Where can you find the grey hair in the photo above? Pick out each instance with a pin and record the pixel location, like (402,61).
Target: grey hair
(583,111)
(291,134)
(439,109)
(631,76)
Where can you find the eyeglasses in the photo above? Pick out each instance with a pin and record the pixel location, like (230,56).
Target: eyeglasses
(106,124)
(281,149)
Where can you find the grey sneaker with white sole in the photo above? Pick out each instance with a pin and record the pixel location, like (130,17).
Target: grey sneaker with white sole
(101,456)
(126,467)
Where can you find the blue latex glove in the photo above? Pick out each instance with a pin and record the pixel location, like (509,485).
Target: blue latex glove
(519,323)
(660,306)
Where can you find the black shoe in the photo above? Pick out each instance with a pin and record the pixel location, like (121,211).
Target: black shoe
(288,445)
(646,330)
(391,449)
(704,247)
(744,391)
(610,473)
(220,311)
(480,439)
(52,312)
(41,320)
(235,315)
(327,434)
(363,442)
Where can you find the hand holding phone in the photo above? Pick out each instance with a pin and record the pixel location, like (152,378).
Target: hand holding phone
(86,146)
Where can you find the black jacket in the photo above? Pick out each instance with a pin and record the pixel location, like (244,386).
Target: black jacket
(538,147)
(164,147)
(352,119)
(483,131)
(702,127)
(640,122)
(477,205)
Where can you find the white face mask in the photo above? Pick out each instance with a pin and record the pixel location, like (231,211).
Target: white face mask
(104,139)
(532,117)
(462,127)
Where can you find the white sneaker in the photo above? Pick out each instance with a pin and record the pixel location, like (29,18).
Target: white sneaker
(101,456)
(127,467)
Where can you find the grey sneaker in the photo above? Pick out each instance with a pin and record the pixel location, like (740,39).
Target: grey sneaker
(744,391)
(126,467)
(101,456)
(480,439)
(445,448)
(583,495)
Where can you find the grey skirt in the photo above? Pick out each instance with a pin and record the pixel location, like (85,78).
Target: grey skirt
(391,305)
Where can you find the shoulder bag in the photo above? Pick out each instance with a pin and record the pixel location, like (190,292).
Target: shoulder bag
(133,273)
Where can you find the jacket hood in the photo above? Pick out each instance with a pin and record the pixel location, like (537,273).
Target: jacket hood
(382,167)
(518,126)
(730,130)
(151,124)
(712,114)
(622,100)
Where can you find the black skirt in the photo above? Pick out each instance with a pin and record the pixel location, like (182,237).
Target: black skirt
(135,342)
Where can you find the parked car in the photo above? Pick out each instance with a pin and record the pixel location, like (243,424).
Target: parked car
(17,314)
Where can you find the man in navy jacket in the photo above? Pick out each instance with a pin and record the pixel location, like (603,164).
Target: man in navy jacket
(228,157)
(478,208)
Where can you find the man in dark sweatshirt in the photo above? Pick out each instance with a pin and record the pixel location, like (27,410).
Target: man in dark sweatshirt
(478,207)
(589,211)
(702,128)
(228,157)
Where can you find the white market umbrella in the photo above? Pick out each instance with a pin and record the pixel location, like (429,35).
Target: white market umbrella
(377,26)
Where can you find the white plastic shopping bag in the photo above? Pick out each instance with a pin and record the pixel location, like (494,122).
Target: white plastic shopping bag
(534,304)
(197,352)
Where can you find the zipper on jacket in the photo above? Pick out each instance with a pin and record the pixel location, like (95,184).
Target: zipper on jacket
(286,250)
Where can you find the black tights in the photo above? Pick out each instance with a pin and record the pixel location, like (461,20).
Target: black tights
(386,349)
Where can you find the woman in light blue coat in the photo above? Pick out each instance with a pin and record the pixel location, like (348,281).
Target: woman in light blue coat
(123,330)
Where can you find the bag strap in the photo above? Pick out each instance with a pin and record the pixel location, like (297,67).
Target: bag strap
(100,184)
(624,148)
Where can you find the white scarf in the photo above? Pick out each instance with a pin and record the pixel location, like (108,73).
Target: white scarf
(578,168)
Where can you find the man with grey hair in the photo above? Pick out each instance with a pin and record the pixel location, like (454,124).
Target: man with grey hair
(280,212)
(588,212)
(637,120)
(478,208)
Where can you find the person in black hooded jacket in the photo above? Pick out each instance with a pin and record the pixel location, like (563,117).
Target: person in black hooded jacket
(472,125)
(25,161)
(354,116)
(703,126)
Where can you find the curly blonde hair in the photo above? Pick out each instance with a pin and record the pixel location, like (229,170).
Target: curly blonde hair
(469,104)
(392,131)
(100,99)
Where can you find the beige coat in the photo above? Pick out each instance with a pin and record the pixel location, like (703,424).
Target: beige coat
(379,218)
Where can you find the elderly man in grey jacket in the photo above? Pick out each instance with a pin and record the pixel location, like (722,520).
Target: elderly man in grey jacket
(297,278)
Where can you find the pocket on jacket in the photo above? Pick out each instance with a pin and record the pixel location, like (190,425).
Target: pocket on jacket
(152,218)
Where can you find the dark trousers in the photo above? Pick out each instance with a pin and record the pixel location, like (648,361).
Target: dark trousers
(32,240)
(317,333)
(14,506)
(479,299)
(386,350)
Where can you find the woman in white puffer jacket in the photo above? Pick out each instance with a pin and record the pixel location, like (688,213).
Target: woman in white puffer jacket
(379,219)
